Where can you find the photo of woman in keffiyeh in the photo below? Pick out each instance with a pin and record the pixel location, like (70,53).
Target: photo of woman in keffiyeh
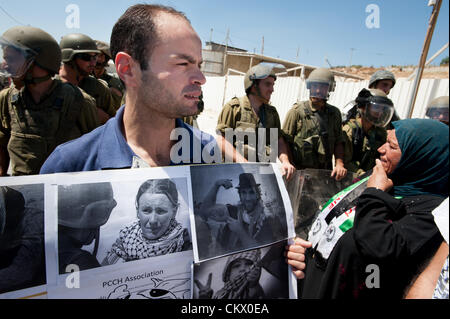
(156,231)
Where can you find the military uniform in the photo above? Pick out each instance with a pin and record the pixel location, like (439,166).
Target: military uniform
(114,82)
(239,114)
(313,144)
(31,131)
(100,92)
(360,148)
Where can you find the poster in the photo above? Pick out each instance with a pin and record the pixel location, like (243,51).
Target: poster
(22,252)
(129,234)
(238,207)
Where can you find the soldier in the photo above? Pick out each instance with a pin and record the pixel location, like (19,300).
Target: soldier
(384,80)
(251,112)
(114,83)
(438,109)
(45,112)
(79,54)
(314,127)
(82,210)
(366,133)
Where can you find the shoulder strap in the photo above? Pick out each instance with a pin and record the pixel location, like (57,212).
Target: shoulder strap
(70,109)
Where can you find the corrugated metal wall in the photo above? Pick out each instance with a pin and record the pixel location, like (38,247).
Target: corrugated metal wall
(219,90)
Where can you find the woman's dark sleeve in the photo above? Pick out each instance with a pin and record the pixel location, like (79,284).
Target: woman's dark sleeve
(377,229)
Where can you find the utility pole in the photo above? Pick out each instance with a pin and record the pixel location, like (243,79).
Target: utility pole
(296,60)
(262,47)
(210,35)
(351,55)
(426,46)
(225,52)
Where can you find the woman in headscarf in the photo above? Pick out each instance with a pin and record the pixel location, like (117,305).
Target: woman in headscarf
(393,233)
(156,232)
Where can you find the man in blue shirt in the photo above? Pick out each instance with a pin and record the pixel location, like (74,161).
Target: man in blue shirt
(158,56)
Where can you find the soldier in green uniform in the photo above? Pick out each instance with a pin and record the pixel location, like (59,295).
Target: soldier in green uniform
(366,133)
(382,80)
(79,54)
(251,113)
(114,83)
(44,112)
(314,127)
(437,109)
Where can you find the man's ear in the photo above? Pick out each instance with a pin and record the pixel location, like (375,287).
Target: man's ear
(127,69)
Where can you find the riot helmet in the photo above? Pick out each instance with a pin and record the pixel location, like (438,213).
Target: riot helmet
(375,106)
(257,72)
(82,206)
(438,109)
(379,76)
(320,83)
(76,43)
(24,45)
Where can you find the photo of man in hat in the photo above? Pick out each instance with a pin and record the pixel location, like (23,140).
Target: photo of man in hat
(249,223)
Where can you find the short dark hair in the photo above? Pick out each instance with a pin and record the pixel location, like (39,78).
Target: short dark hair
(135,32)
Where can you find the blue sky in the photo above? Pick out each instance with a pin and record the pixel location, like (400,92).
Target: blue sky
(315,29)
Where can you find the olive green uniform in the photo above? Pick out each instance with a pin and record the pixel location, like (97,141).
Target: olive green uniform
(311,148)
(239,114)
(30,131)
(361,148)
(114,82)
(100,92)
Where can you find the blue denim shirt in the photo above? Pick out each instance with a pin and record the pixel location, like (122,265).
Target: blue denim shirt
(106,148)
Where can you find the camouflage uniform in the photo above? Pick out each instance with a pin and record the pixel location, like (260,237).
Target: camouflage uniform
(31,131)
(360,148)
(239,114)
(310,148)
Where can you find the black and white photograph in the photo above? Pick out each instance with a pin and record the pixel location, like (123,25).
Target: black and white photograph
(102,224)
(252,274)
(108,229)
(238,207)
(22,251)
(309,190)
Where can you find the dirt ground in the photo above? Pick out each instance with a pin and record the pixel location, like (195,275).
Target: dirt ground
(432,72)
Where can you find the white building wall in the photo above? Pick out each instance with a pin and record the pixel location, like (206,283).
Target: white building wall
(219,90)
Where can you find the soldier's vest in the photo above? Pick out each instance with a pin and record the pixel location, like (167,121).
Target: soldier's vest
(365,146)
(37,129)
(311,147)
(247,123)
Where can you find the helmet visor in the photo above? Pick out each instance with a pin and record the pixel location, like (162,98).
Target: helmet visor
(14,60)
(318,90)
(378,113)
(438,113)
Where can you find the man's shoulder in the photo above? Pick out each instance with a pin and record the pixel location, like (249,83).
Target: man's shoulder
(75,155)
(91,83)
(333,109)
(197,133)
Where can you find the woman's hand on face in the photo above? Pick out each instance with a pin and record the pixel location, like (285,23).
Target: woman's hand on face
(379,178)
